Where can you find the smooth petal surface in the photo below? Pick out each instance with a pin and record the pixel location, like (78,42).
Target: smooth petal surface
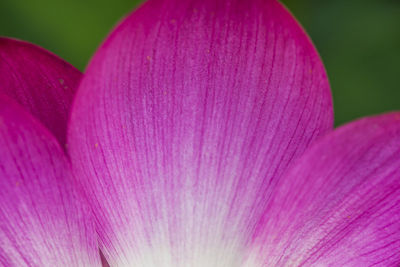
(42,221)
(340,204)
(41,82)
(184,122)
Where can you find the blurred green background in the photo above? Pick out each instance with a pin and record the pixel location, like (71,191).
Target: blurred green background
(359,41)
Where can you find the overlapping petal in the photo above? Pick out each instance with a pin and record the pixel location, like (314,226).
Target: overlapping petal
(340,204)
(42,221)
(186,119)
(41,82)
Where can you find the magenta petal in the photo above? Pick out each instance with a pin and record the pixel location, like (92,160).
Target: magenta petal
(184,122)
(340,204)
(41,82)
(42,222)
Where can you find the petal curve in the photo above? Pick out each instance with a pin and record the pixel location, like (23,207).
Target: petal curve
(340,204)
(42,221)
(184,122)
(41,82)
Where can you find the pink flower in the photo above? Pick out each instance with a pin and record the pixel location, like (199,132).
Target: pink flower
(189,145)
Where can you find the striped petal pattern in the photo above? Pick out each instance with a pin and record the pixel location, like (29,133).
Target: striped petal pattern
(340,204)
(185,121)
(39,81)
(43,221)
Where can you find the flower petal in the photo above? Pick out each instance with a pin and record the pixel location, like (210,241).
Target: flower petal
(184,122)
(340,204)
(41,82)
(42,222)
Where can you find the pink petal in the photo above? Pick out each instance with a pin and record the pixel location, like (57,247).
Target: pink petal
(184,122)
(41,82)
(42,222)
(340,204)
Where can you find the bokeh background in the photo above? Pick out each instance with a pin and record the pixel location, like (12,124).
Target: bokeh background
(359,41)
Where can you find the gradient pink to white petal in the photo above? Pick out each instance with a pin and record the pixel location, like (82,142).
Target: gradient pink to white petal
(340,204)
(196,137)
(186,119)
(42,223)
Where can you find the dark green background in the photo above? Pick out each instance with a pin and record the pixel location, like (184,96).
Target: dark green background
(359,41)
